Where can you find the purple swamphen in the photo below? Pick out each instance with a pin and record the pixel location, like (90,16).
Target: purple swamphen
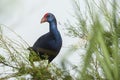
(50,43)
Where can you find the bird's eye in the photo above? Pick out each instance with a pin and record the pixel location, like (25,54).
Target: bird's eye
(48,16)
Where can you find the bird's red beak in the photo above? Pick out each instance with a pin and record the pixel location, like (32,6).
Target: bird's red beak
(44,19)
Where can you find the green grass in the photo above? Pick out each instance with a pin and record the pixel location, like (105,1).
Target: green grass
(100,26)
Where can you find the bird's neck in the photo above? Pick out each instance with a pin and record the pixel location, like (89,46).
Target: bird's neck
(53,26)
(54,31)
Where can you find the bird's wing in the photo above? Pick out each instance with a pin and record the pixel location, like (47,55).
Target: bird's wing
(41,42)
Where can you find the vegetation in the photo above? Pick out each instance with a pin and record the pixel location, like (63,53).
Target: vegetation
(98,25)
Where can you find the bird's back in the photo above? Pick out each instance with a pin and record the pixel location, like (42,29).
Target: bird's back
(47,41)
(47,44)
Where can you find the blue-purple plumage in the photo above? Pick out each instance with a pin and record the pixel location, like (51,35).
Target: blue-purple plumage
(51,41)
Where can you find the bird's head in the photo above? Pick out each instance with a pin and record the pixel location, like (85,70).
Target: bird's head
(48,17)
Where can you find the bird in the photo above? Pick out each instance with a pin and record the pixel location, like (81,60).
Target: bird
(50,43)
